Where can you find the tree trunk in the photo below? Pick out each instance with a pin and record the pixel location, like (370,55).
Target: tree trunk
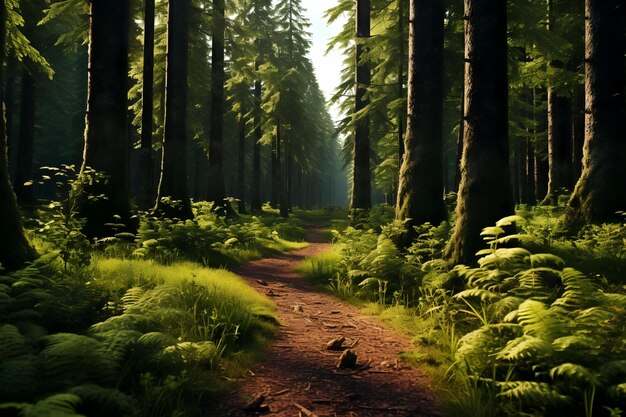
(9,110)
(578,130)
(401,113)
(15,250)
(361,180)
(559,146)
(173,183)
(289,179)
(275,174)
(485,191)
(420,191)
(282,172)
(106,127)
(601,190)
(216,186)
(146,178)
(241,167)
(518,176)
(24,168)
(530,195)
(459,144)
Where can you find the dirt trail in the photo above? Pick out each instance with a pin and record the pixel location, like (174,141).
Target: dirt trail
(300,372)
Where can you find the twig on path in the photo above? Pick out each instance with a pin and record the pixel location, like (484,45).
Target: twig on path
(305,411)
(281,392)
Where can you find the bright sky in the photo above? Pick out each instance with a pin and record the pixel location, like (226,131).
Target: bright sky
(327,67)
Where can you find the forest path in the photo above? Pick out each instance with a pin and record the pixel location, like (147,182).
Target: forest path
(299,375)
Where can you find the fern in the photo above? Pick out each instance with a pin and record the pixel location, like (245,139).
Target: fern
(59,405)
(525,347)
(574,372)
(533,393)
(537,320)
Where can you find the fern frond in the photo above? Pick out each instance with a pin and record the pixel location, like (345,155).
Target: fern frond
(132,297)
(546,260)
(504,306)
(483,295)
(525,347)
(538,320)
(531,392)
(71,359)
(580,291)
(574,372)
(577,343)
(12,343)
(99,398)
(510,220)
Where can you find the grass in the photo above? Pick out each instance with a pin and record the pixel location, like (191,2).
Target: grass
(121,274)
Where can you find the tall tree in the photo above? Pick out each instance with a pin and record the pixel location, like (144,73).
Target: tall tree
(361,175)
(601,190)
(485,193)
(173,183)
(216,185)
(146,170)
(420,191)
(15,250)
(106,131)
(560,169)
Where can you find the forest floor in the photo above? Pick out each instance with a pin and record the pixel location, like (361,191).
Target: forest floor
(300,377)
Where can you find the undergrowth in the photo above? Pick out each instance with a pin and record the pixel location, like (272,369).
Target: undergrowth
(537,327)
(134,324)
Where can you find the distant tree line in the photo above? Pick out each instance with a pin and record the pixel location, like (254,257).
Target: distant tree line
(168,100)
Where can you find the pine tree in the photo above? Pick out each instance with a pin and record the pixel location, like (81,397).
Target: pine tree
(420,191)
(106,127)
(216,186)
(173,183)
(600,192)
(361,180)
(146,171)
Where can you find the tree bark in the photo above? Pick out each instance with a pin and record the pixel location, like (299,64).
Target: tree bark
(255,201)
(281,162)
(420,190)
(146,181)
(485,191)
(106,127)
(173,183)
(15,250)
(401,113)
(241,165)
(578,130)
(361,175)
(9,104)
(531,192)
(275,174)
(601,190)
(24,168)
(216,185)
(560,169)
(459,144)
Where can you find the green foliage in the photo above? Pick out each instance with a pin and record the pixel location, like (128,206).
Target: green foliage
(521,333)
(157,354)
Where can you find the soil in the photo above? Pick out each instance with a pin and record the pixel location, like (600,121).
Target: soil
(300,377)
